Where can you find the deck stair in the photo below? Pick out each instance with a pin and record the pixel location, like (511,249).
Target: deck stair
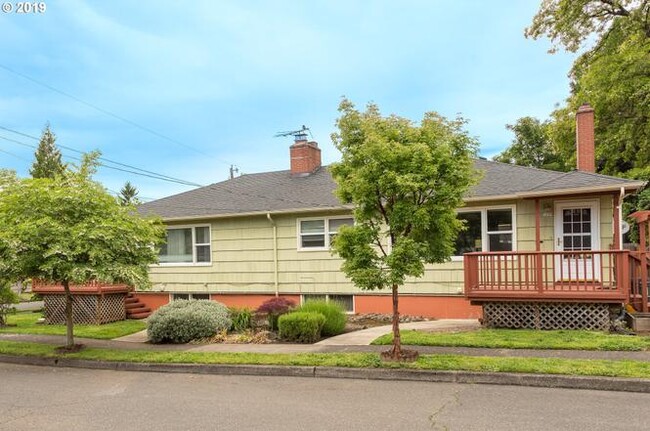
(136,309)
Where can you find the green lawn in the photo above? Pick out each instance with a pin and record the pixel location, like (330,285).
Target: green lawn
(638,369)
(26,324)
(523,339)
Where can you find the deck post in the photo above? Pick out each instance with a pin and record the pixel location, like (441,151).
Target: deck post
(643,255)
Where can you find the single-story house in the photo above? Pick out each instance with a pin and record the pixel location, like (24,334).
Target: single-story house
(533,233)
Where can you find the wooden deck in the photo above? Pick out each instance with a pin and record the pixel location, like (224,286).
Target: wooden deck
(584,276)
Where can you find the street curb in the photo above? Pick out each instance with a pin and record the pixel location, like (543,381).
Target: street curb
(512,379)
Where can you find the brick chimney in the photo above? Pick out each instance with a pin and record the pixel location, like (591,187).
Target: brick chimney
(585,145)
(305,156)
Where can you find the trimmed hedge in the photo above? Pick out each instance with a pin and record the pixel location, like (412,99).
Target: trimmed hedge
(182,321)
(301,327)
(335,317)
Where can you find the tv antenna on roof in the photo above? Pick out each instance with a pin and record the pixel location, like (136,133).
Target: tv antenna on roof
(298,135)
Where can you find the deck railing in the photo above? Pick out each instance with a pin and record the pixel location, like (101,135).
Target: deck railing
(599,276)
(639,282)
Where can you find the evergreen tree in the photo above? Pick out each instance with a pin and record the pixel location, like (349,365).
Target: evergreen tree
(128,195)
(47,158)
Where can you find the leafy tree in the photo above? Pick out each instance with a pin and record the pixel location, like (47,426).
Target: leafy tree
(7,176)
(7,299)
(47,163)
(531,146)
(128,195)
(405,182)
(69,230)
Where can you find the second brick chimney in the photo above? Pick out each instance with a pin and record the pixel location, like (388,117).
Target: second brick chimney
(305,157)
(585,143)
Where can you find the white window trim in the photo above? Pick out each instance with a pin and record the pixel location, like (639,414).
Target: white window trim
(327,299)
(484,232)
(327,232)
(194,244)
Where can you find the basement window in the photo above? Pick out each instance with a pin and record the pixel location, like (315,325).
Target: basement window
(345,301)
(186,245)
(188,296)
(318,233)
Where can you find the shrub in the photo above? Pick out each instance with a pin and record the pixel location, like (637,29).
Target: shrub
(242,319)
(274,308)
(301,326)
(335,317)
(183,321)
(7,299)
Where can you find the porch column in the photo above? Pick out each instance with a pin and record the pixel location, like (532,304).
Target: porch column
(617,222)
(538,225)
(538,246)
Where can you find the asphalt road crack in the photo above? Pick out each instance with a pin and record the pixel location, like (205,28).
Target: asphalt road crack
(435,416)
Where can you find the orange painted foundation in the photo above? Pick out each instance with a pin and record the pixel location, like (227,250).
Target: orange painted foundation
(153,300)
(439,307)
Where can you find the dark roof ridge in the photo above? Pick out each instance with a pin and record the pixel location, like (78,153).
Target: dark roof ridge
(513,165)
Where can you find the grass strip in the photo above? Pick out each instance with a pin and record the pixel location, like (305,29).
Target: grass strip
(26,324)
(523,339)
(574,367)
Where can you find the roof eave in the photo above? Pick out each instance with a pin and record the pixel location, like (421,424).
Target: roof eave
(258,213)
(631,186)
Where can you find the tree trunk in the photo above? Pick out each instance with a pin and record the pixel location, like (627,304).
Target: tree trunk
(68,315)
(396,352)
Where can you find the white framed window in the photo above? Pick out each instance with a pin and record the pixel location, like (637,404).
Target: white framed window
(186,245)
(487,229)
(317,233)
(345,301)
(188,296)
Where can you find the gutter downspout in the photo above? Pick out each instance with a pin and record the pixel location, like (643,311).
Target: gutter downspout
(275,254)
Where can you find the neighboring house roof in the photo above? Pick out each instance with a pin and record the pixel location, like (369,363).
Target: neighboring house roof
(279,191)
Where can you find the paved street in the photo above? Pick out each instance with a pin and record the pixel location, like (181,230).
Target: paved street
(43,398)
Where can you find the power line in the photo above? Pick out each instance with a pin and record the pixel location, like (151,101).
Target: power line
(189,183)
(109,113)
(154,175)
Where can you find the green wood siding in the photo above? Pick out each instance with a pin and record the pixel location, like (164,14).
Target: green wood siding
(243,261)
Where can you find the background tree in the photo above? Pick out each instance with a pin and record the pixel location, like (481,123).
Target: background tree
(405,182)
(7,176)
(128,195)
(531,146)
(47,158)
(69,230)
(612,74)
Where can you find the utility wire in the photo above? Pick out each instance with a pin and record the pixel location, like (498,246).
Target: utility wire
(189,183)
(155,176)
(109,113)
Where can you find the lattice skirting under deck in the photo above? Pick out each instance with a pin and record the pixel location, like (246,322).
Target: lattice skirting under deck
(86,309)
(546,315)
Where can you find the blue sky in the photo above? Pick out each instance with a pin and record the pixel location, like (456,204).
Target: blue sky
(221,78)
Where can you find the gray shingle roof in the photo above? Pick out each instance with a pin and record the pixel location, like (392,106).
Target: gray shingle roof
(280,192)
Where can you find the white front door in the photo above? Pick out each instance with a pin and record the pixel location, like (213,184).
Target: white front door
(577,229)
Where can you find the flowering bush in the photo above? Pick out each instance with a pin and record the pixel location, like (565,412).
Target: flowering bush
(274,308)
(183,321)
